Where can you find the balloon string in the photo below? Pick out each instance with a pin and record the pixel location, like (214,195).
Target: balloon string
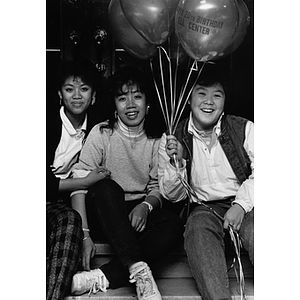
(172,94)
(175,82)
(163,87)
(158,94)
(177,114)
(237,246)
(182,92)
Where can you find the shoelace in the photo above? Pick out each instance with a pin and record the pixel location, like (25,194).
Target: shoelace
(144,285)
(133,274)
(143,282)
(96,287)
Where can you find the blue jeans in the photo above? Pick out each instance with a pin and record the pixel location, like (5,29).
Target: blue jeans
(205,248)
(108,212)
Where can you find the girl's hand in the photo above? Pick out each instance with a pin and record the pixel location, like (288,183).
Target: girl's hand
(96,175)
(88,251)
(138,217)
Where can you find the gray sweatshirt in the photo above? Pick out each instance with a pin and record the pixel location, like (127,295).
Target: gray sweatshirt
(132,159)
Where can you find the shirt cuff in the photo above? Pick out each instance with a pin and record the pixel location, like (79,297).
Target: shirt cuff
(78,192)
(245,205)
(157,195)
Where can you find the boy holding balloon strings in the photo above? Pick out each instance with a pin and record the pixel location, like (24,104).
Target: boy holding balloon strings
(214,152)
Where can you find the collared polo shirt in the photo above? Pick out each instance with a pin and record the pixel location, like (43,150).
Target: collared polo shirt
(69,147)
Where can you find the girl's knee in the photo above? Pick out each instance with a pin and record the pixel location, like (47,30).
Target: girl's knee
(68,217)
(105,187)
(74,218)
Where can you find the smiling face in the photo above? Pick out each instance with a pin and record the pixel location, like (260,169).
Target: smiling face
(76,96)
(207,105)
(131,105)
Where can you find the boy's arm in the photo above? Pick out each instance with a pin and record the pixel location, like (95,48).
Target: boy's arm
(170,186)
(245,194)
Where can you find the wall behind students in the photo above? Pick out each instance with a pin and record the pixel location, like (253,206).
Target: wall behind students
(79,28)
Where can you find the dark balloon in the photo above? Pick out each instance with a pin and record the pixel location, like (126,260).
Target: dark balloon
(206,28)
(153,19)
(125,35)
(244,21)
(177,53)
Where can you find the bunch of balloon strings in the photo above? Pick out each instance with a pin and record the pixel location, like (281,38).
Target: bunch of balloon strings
(172,111)
(166,88)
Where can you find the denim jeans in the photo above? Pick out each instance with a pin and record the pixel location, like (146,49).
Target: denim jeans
(205,247)
(108,212)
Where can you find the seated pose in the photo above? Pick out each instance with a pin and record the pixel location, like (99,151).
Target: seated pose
(66,128)
(126,206)
(214,152)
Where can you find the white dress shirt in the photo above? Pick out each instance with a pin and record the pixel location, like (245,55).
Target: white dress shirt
(212,177)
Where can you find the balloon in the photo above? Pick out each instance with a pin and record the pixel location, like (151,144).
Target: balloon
(244,21)
(177,53)
(206,28)
(125,35)
(153,19)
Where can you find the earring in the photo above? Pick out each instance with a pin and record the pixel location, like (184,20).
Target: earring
(60,100)
(116,115)
(147,110)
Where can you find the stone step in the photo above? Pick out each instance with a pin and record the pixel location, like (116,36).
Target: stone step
(173,265)
(170,289)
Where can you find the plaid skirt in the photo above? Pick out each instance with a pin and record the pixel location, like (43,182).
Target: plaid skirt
(64,244)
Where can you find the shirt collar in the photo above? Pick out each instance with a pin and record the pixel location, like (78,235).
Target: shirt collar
(68,125)
(192,129)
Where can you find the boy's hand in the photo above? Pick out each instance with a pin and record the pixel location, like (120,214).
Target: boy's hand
(234,217)
(174,149)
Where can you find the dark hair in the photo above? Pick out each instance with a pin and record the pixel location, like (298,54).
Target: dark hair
(127,75)
(81,68)
(212,75)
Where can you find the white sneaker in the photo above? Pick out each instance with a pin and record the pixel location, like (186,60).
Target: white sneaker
(89,281)
(146,287)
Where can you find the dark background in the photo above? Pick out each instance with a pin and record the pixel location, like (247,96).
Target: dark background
(72,28)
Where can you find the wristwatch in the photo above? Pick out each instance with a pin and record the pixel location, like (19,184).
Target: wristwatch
(150,207)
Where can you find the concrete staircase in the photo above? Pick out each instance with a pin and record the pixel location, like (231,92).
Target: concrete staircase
(172,275)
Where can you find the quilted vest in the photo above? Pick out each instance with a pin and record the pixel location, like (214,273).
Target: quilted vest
(231,140)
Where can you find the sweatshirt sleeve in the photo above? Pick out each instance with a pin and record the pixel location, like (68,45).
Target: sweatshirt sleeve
(91,156)
(170,185)
(153,186)
(245,194)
